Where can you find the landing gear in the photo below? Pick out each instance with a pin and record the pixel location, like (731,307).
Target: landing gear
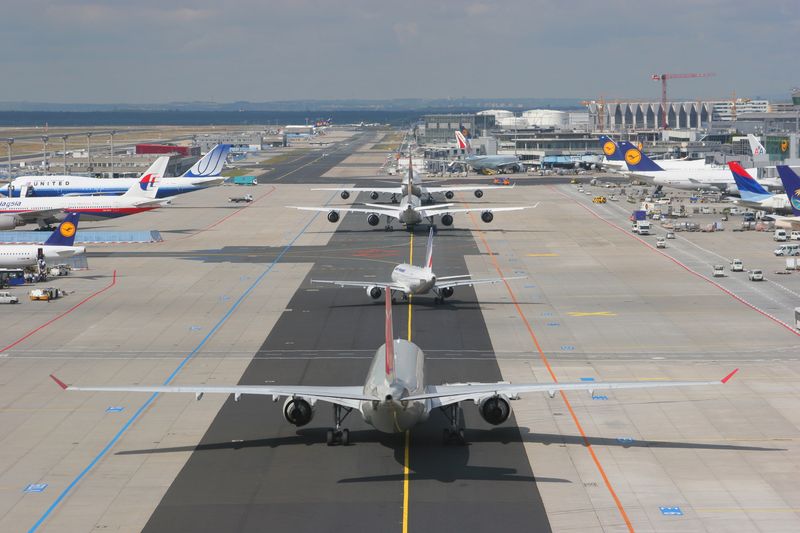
(337,435)
(389,227)
(394,198)
(455,433)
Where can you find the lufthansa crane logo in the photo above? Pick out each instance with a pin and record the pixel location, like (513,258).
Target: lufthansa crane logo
(784,145)
(67,229)
(633,156)
(609,148)
(796,199)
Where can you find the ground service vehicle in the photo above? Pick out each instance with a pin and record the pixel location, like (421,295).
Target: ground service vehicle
(8,298)
(755,275)
(780,235)
(247,198)
(719,271)
(661,242)
(787,250)
(599,199)
(737,265)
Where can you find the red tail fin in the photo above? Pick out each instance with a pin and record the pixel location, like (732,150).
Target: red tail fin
(389,335)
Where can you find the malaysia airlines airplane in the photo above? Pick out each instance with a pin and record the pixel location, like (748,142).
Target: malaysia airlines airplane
(394,397)
(412,185)
(204,173)
(483,163)
(57,247)
(44,211)
(409,279)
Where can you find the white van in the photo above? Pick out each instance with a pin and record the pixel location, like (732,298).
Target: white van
(780,235)
(787,249)
(794,236)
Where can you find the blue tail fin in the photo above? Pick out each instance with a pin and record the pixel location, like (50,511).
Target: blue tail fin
(211,164)
(636,160)
(64,235)
(749,189)
(791,182)
(610,149)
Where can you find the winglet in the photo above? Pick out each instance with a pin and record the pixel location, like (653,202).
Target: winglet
(59,382)
(389,347)
(729,376)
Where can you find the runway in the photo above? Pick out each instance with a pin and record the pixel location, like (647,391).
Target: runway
(252,468)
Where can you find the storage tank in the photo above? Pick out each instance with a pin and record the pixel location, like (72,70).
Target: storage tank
(496,113)
(546,118)
(512,122)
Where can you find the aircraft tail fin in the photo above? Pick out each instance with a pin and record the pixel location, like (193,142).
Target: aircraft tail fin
(756,148)
(389,346)
(147,186)
(463,143)
(429,252)
(211,164)
(749,189)
(610,149)
(636,159)
(64,234)
(791,182)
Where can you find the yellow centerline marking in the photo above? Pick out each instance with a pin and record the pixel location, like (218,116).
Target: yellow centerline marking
(543,255)
(591,313)
(407,440)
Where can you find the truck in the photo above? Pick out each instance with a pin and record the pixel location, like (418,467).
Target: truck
(247,198)
(244,180)
(641,227)
(8,298)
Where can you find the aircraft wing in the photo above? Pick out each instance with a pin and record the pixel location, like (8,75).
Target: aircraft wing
(364,284)
(344,396)
(386,190)
(440,189)
(442,210)
(443,395)
(794,221)
(442,283)
(378,210)
(34,216)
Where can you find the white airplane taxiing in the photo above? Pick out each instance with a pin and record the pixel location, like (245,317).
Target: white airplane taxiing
(141,196)
(57,247)
(410,279)
(394,397)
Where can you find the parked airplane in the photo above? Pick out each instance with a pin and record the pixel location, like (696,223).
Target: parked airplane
(791,183)
(204,173)
(486,163)
(756,148)
(394,397)
(44,211)
(57,247)
(689,179)
(615,160)
(409,279)
(754,195)
(412,185)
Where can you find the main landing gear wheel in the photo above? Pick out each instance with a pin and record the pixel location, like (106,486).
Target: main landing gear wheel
(455,433)
(337,435)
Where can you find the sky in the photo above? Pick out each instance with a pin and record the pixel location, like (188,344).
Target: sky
(155,51)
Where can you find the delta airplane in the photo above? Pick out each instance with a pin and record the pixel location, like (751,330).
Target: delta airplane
(412,184)
(486,163)
(688,179)
(204,173)
(754,195)
(394,397)
(57,247)
(44,211)
(409,212)
(409,279)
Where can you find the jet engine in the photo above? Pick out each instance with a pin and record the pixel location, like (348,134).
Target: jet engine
(447,220)
(449,195)
(333,216)
(373,219)
(447,292)
(495,409)
(374,292)
(478,193)
(297,411)
(345,195)
(374,195)
(8,222)
(487,216)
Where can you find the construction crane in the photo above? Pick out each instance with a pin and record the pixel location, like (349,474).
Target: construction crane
(663,79)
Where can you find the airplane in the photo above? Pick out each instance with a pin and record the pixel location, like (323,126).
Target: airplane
(410,279)
(58,246)
(204,173)
(756,148)
(688,179)
(486,163)
(791,183)
(753,194)
(394,397)
(412,185)
(409,212)
(141,196)
(615,160)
